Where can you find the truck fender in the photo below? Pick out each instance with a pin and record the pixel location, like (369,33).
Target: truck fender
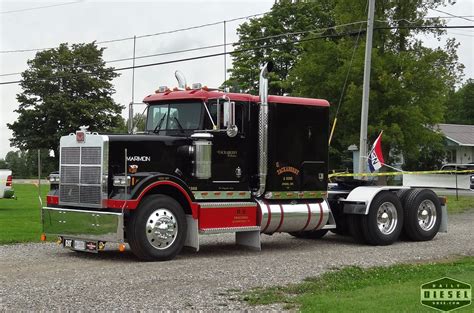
(359,199)
(155,181)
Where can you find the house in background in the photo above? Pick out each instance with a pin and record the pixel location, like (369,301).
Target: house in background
(459,142)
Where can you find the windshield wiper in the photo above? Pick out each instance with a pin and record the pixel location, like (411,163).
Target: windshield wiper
(179,124)
(158,127)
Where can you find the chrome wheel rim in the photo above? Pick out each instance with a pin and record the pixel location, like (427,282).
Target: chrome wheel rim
(387,218)
(426,215)
(161,229)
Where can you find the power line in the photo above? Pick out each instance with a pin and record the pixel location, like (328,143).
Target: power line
(242,50)
(345,80)
(41,7)
(452,15)
(425,27)
(192,58)
(146,35)
(214,46)
(172,31)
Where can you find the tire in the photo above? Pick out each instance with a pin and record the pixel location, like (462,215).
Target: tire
(316,234)
(384,222)
(149,242)
(354,226)
(422,215)
(403,194)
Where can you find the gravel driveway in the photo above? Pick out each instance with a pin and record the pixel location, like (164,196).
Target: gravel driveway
(46,277)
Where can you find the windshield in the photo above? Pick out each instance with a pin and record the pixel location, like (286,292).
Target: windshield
(176,116)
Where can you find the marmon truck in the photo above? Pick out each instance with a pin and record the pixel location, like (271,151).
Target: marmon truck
(214,162)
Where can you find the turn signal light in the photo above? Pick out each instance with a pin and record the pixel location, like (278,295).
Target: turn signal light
(101,245)
(43,237)
(121,247)
(59,240)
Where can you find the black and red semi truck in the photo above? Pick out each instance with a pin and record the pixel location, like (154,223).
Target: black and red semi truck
(212,162)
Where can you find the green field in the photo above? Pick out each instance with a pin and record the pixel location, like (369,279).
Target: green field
(20,219)
(380,289)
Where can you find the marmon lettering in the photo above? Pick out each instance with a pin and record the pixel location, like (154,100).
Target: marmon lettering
(139,158)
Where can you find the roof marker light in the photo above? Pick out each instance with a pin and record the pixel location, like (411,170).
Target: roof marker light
(162,89)
(196,86)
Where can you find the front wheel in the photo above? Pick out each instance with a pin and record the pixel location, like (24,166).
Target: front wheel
(156,231)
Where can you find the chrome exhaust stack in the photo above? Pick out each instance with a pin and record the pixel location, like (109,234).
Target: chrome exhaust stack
(263,127)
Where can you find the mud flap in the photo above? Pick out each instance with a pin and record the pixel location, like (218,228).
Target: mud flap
(192,237)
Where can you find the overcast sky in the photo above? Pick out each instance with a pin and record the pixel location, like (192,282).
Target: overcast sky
(24,27)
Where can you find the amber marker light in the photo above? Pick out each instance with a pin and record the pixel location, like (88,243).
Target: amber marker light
(101,246)
(43,237)
(59,240)
(121,247)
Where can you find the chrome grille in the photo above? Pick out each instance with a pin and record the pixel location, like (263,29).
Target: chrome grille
(70,155)
(90,195)
(69,193)
(81,171)
(91,155)
(69,174)
(90,175)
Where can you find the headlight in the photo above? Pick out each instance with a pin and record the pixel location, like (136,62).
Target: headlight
(54,178)
(121,181)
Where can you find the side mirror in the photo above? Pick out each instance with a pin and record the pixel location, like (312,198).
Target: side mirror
(229,118)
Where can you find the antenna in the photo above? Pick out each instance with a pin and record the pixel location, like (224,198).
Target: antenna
(181,80)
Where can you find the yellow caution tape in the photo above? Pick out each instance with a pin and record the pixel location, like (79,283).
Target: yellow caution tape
(398,173)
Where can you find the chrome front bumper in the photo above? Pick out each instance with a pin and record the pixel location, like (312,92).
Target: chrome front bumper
(83,224)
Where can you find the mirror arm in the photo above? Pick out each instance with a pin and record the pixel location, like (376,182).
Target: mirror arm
(210,116)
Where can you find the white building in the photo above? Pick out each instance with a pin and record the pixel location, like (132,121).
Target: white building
(460,142)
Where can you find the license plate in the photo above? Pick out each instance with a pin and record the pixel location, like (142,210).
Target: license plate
(79,245)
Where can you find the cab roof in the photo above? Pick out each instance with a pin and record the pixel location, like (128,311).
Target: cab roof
(202,94)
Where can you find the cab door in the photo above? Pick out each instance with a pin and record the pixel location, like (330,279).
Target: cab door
(229,150)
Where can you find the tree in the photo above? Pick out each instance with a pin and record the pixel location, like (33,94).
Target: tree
(139,121)
(460,105)
(285,17)
(409,82)
(64,88)
(24,164)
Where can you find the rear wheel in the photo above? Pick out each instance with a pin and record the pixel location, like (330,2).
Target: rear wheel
(157,229)
(422,215)
(383,224)
(316,234)
(403,194)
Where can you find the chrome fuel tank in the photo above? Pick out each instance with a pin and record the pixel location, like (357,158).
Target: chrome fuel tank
(277,217)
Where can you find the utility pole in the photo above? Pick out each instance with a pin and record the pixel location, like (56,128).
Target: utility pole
(366,90)
(130,106)
(225,55)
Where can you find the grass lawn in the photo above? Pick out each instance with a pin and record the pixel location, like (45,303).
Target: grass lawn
(20,220)
(464,203)
(380,289)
